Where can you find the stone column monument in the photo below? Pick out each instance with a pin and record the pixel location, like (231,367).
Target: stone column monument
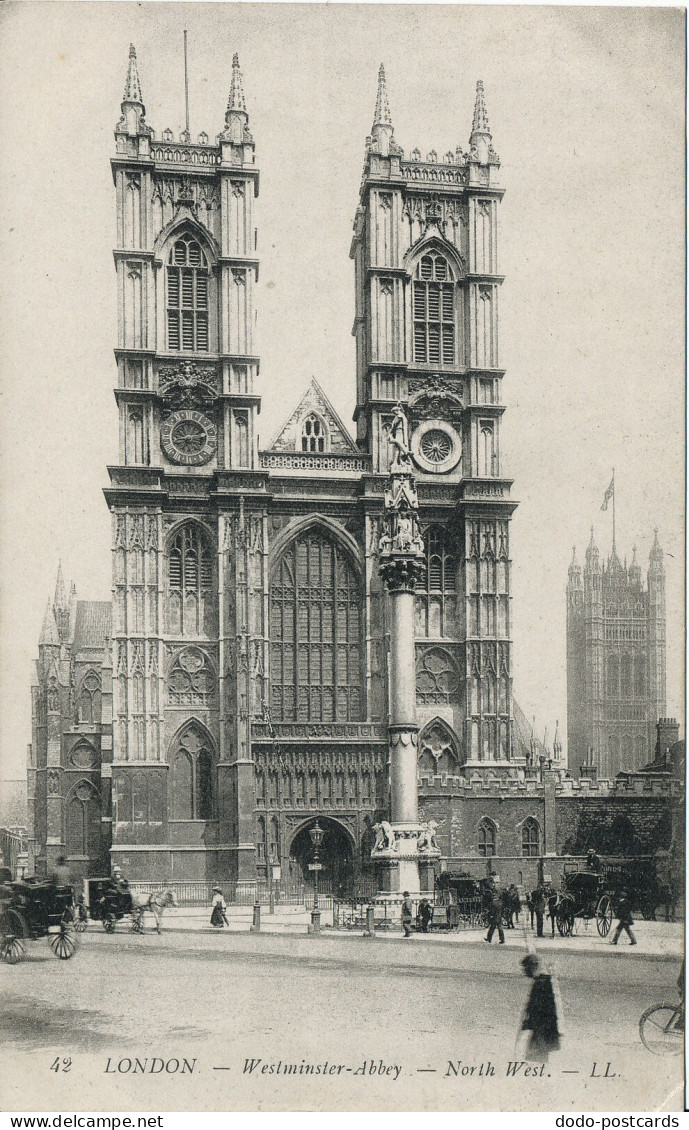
(405,849)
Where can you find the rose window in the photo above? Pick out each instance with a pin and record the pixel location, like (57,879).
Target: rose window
(436,446)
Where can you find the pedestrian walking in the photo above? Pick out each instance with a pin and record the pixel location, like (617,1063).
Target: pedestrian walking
(495,919)
(624,919)
(539,904)
(530,906)
(542,1015)
(425,915)
(218,916)
(407,915)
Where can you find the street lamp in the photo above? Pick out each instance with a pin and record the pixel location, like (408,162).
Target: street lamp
(316,833)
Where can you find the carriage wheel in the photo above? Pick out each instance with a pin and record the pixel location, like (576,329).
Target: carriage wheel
(604,916)
(109,923)
(64,943)
(80,924)
(138,923)
(661,1031)
(12,931)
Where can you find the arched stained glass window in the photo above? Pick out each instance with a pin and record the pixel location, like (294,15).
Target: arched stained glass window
(315,664)
(187,297)
(83,821)
(433,300)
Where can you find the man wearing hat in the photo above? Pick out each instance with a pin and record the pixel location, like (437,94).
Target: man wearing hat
(625,920)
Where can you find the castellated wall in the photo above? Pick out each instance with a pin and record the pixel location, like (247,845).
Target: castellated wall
(634,816)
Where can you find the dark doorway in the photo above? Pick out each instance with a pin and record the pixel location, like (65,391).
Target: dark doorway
(335,854)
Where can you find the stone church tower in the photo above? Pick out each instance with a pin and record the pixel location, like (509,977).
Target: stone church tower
(188,638)
(615,660)
(427,283)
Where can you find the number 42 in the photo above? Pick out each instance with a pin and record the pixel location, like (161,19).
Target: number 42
(61,1064)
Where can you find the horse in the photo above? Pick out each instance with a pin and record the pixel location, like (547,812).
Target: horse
(155,903)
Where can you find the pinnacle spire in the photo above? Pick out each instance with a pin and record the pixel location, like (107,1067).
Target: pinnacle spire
(381,115)
(132,86)
(480,122)
(236,101)
(49,634)
(60,600)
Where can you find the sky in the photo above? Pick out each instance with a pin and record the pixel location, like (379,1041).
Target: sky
(586,107)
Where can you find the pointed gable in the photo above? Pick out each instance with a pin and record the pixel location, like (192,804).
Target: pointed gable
(314,403)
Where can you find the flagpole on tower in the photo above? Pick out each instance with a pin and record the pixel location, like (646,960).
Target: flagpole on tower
(613,510)
(186,84)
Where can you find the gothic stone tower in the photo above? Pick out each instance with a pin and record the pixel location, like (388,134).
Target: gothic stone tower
(426,327)
(615,660)
(181,495)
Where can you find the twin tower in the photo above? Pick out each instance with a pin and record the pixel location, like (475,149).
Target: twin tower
(250,624)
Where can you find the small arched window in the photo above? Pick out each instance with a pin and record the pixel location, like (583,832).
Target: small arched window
(530,838)
(313,434)
(486,838)
(90,699)
(187,297)
(434,311)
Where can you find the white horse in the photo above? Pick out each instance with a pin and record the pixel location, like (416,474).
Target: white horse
(155,903)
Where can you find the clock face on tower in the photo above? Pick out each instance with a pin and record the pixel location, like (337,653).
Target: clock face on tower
(188,437)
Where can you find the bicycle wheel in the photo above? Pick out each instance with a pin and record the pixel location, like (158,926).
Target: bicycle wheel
(658,1029)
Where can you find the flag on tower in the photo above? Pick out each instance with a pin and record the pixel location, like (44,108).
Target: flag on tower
(610,493)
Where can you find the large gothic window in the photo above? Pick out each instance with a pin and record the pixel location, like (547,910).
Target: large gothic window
(190,582)
(187,297)
(436,592)
(315,664)
(192,776)
(434,311)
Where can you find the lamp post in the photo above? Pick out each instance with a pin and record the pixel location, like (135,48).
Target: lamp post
(316,833)
(271,865)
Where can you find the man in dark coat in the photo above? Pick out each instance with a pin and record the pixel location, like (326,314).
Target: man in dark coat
(425,915)
(625,920)
(539,905)
(407,915)
(495,919)
(540,1017)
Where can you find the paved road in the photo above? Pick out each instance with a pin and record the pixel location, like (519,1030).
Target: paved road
(352,1007)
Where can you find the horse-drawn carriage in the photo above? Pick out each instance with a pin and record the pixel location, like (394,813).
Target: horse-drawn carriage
(32,909)
(593,893)
(109,901)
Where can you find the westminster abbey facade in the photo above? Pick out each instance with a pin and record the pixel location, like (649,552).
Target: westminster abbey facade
(235,688)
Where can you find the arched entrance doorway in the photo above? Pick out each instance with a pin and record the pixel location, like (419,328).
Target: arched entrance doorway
(335,854)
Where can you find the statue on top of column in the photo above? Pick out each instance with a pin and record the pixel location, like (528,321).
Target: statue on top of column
(400,545)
